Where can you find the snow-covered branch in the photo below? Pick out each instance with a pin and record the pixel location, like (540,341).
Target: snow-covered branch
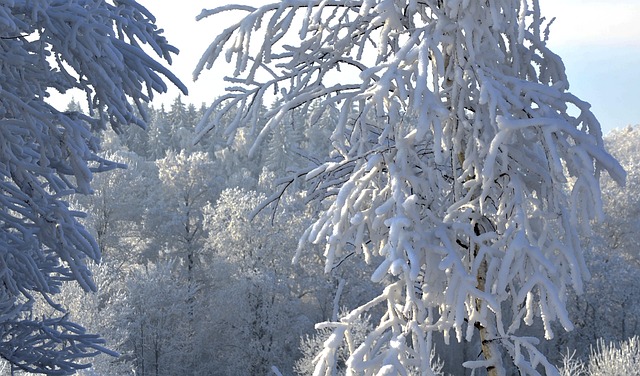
(465,165)
(46,154)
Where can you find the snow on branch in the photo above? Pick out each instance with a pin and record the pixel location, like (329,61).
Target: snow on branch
(47,154)
(458,159)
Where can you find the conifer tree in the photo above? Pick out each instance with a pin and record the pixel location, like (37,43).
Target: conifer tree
(46,154)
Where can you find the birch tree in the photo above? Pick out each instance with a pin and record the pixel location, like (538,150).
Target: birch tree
(460,157)
(46,154)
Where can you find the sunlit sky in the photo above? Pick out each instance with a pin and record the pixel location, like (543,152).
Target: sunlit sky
(598,41)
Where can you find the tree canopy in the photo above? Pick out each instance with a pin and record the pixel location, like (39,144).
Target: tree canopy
(47,153)
(459,156)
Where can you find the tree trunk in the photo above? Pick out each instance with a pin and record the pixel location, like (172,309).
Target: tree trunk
(490,349)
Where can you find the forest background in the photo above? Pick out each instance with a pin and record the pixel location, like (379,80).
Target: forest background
(190,283)
(207,288)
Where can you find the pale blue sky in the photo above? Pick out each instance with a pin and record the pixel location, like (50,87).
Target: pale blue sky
(599,44)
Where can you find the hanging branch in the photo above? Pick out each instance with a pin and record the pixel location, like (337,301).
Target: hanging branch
(455,158)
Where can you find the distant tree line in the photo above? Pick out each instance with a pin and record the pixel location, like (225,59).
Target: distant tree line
(195,280)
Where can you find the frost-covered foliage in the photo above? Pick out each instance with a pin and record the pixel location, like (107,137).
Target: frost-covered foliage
(622,204)
(259,326)
(99,312)
(249,304)
(607,359)
(572,366)
(187,185)
(118,202)
(47,153)
(312,346)
(610,307)
(459,156)
(155,313)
